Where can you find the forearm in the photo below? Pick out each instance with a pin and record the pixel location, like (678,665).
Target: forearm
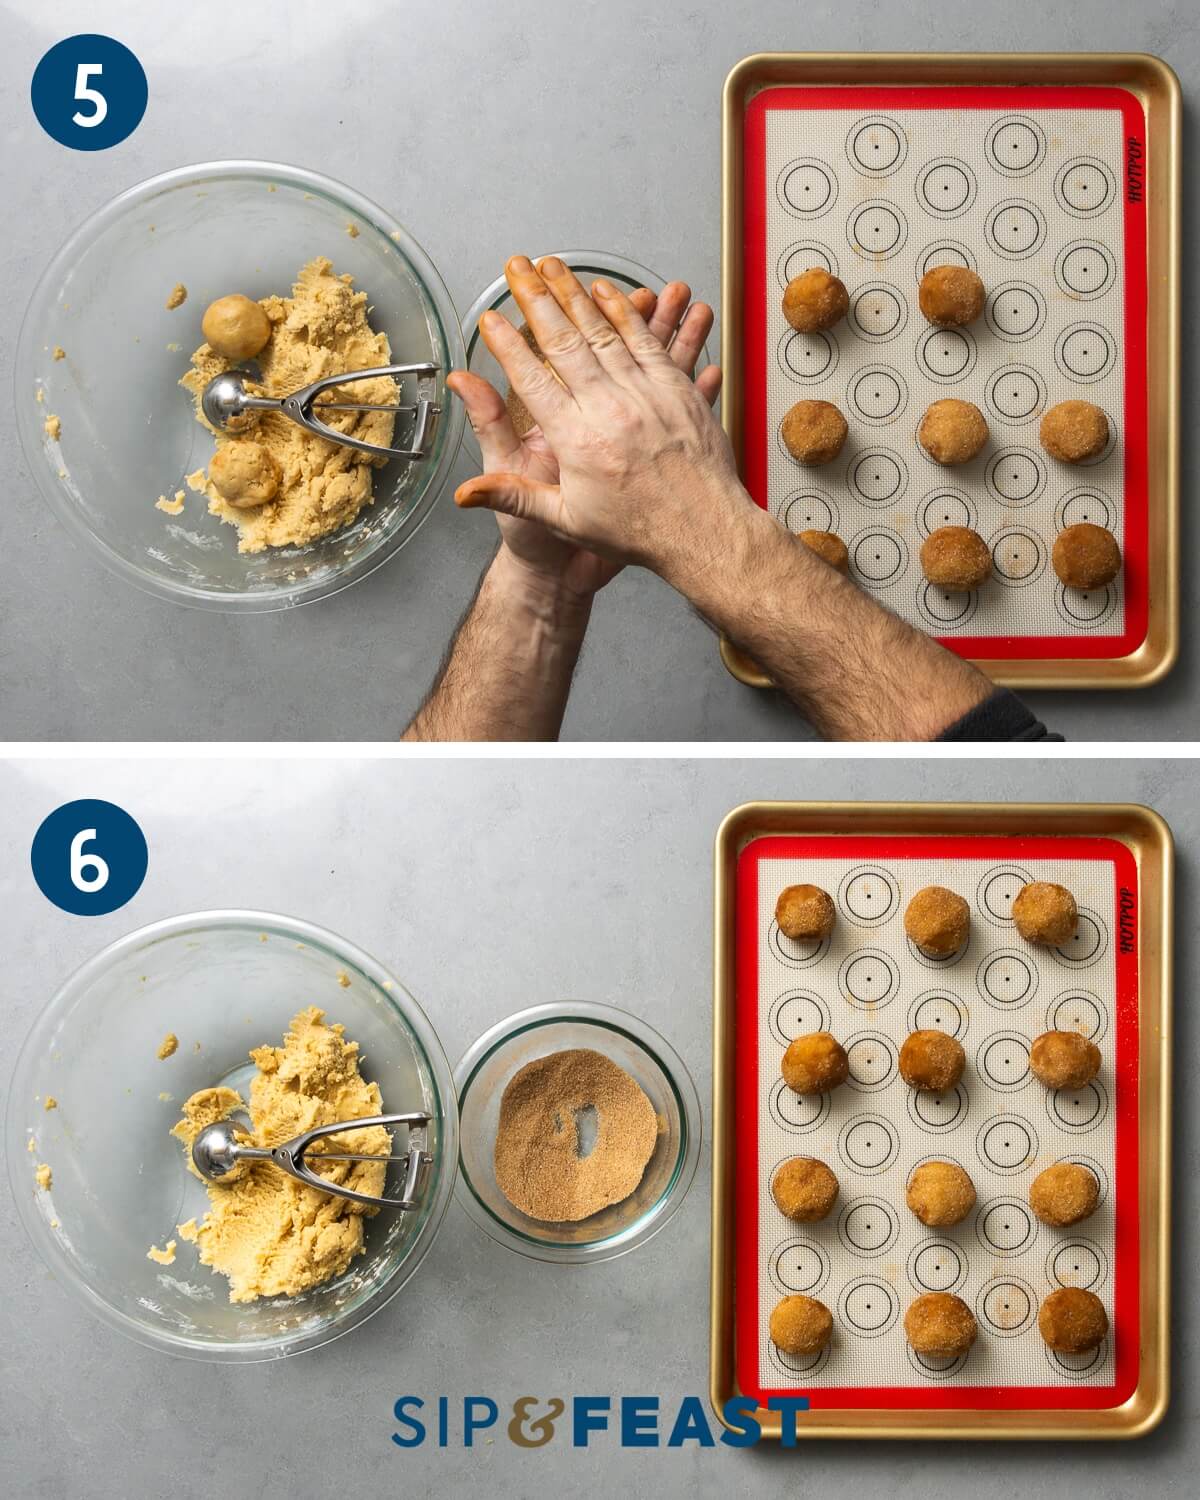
(508,671)
(857,671)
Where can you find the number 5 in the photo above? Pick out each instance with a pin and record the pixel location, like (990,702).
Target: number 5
(89,96)
(81,863)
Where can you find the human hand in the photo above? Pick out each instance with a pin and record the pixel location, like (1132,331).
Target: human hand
(544,558)
(643,462)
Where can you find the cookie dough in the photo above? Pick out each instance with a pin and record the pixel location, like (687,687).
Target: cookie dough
(956,558)
(321,329)
(177,296)
(267,1232)
(814,432)
(800,1325)
(1074,431)
(953,431)
(44,1177)
(245,472)
(815,300)
(236,327)
(805,913)
(951,296)
(829,547)
(814,1064)
(168,1046)
(1086,556)
(52,427)
(163,1257)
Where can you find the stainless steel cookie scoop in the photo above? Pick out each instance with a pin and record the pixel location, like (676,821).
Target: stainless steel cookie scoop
(220,1156)
(229,407)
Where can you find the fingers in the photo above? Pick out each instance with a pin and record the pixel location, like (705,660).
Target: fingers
(671,305)
(544,395)
(511,495)
(602,338)
(558,336)
(645,301)
(635,335)
(708,383)
(689,341)
(499,445)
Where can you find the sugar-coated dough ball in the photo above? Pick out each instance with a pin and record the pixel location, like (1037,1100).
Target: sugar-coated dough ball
(1064,1194)
(1045,913)
(931,1060)
(940,1193)
(1074,431)
(814,1064)
(801,1325)
(953,431)
(814,432)
(828,546)
(804,1189)
(245,473)
(805,913)
(940,1325)
(951,296)
(938,921)
(956,558)
(1086,556)
(1064,1059)
(815,300)
(236,327)
(1072,1321)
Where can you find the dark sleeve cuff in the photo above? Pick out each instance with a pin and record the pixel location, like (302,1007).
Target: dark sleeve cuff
(1001,717)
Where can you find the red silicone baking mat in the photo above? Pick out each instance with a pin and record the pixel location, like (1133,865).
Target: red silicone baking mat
(867,985)
(1042,189)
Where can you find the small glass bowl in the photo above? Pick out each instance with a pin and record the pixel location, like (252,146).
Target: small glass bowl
(129,433)
(481,1078)
(223,982)
(625,274)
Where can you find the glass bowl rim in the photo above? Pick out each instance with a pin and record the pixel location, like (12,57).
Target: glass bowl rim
(673,1068)
(65,1273)
(450,429)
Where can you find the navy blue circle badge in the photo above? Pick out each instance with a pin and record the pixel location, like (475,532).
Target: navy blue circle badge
(89,92)
(89,857)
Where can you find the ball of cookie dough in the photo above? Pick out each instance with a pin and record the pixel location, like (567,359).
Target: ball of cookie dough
(1072,1321)
(804,1189)
(805,913)
(815,300)
(814,1064)
(1045,913)
(953,431)
(951,296)
(1064,1059)
(236,327)
(940,1193)
(245,473)
(956,558)
(829,546)
(938,921)
(1086,556)
(1064,1194)
(1074,431)
(801,1325)
(931,1060)
(940,1325)
(814,432)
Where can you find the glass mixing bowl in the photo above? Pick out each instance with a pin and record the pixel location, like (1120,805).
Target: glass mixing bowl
(587,265)
(223,982)
(481,1078)
(129,432)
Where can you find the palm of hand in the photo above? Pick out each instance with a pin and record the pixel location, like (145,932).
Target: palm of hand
(539,548)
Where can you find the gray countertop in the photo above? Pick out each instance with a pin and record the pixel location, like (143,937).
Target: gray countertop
(589,880)
(487,129)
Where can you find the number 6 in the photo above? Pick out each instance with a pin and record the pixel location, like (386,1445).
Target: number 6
(81,863)
(89,96)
